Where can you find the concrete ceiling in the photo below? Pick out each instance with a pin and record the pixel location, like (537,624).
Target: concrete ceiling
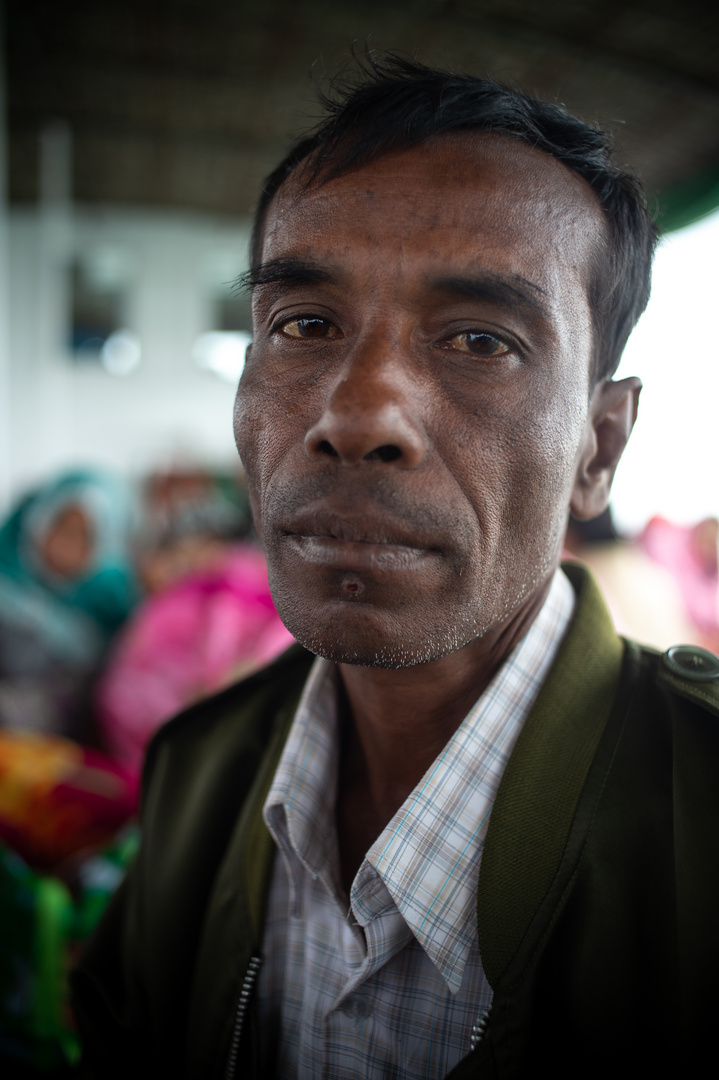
(188,103)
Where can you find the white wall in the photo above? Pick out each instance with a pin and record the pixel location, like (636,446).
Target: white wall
(64,414)
(669,466)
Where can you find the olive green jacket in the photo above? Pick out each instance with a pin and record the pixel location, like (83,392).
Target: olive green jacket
(598,897)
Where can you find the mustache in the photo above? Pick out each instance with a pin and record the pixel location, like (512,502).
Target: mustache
(380,509)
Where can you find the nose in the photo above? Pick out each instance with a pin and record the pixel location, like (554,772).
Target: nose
(369,416)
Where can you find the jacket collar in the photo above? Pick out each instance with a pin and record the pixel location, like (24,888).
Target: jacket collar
(542,783)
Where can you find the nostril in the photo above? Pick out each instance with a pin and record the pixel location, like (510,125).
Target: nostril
(384,453)
(326,447)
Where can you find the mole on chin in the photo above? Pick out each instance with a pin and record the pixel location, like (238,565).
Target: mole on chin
(351,588)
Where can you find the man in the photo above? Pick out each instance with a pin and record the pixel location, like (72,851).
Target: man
(444,276)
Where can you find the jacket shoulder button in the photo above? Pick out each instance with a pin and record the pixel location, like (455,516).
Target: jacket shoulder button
(692,662)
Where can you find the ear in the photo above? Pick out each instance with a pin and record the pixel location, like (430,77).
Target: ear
(612,412)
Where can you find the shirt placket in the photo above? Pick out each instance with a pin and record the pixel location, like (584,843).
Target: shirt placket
(376,934)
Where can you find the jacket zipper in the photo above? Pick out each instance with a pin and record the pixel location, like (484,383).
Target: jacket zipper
(479,1030)
(245,993)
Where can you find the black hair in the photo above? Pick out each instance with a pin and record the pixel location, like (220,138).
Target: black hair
(393,103)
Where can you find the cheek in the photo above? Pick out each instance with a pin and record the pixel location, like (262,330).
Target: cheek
(519,442)
(268,424)
(546,476)
(554,445)
(247,426)
(525,454)
(256,429)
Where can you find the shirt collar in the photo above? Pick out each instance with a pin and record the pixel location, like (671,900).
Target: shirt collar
(299,809)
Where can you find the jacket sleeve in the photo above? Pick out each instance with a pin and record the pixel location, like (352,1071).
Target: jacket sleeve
(108,994)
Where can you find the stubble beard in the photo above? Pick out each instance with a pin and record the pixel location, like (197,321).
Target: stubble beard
(356,635)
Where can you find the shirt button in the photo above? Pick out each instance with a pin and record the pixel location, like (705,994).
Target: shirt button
(692,663)
(356,1007)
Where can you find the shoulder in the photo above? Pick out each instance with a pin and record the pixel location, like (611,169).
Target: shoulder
(691,674)
(682,683)
(226,735)
(683,678)
(265,689)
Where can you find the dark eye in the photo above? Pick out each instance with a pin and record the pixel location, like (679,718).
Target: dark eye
(310,326)
(479,343)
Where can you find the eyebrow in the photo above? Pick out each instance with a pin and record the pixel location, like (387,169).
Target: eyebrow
(514,291)
(291,272)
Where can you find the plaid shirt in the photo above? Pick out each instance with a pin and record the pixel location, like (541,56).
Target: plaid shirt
(394,986)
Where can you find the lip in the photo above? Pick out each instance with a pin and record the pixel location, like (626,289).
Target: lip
(358,526)
(353,541)
(330,552)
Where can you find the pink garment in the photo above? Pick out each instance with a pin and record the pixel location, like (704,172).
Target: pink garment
(690,553)
(184,643)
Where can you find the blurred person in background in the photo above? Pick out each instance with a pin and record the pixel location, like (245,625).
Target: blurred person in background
(689,553)
(207,618)
(643,597)
(190,514)
(195,615)
(67,583)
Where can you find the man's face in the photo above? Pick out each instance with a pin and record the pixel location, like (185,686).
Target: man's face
(412,408)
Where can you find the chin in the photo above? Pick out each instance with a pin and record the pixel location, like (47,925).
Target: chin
(369,642)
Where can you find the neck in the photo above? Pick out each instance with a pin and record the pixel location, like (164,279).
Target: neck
(396,721)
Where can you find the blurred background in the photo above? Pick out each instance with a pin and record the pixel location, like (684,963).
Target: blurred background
(134,135)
